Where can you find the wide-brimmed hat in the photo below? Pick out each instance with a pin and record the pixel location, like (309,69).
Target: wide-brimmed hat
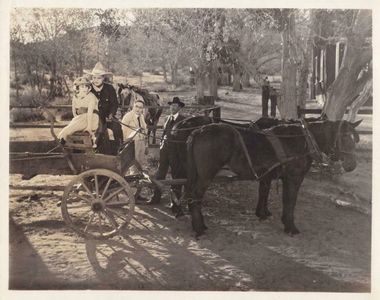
(82,81)
(99,69)
(177,101)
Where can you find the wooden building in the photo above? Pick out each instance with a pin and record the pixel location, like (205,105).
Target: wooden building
(327,60)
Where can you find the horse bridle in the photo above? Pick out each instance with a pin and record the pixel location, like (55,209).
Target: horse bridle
(337,148)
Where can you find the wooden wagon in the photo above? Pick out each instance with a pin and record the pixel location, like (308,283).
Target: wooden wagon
(98,201)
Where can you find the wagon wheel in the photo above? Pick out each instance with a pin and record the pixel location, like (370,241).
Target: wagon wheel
(97,203)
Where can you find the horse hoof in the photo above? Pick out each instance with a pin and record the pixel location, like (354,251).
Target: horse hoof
(264,216)
(291,232)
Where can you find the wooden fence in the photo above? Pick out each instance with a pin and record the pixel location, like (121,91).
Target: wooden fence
(213,110)
(365,110)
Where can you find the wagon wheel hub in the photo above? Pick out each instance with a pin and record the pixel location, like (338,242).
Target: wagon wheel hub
(97,205)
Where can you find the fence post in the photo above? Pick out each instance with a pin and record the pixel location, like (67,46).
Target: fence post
(216,112)
(299,114)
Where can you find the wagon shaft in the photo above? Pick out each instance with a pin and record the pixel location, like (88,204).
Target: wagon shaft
(32,158)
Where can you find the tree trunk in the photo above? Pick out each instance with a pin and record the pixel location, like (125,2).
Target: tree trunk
(68,90)
(360,100)
(200,86)
(303,78)
(236,85)
(287,104)
(213,80)
(81,65)
(16,75)
(229,78)
(347,86)
(165,73)
(53,78)
(302,94)
(245,80)
(174,73)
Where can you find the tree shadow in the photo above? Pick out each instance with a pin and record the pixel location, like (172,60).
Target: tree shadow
(21,253)
(158,253)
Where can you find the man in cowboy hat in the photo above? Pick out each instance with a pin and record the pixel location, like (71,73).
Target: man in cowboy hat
(108,103)
(168,157)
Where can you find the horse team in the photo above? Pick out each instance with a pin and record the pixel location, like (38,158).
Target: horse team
(261,151)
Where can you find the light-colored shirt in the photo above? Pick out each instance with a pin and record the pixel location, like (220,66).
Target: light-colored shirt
(83,104)
(175,116)
(131,119)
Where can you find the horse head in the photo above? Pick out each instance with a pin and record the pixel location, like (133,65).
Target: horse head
(128,95)
(154,111)
(343,146)
(124,94)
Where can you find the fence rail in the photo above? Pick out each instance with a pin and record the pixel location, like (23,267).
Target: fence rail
(205,109)
(365,110)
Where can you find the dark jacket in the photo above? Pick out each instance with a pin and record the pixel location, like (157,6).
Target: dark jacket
(169,125)
(108,103)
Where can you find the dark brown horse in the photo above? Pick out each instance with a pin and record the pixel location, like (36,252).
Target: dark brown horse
(152,100)
(183,129)
(283,151)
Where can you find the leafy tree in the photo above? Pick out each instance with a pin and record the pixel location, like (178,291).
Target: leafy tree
(50,41)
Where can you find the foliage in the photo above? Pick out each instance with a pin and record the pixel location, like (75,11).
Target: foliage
(25,115)
(50,45)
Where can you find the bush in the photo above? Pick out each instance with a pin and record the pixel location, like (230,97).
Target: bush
(25,115)
(14,85)
(61,101)
(28,96)
(160,89)
(136,73)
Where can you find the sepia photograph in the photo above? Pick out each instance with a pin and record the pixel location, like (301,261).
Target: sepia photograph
(189,149)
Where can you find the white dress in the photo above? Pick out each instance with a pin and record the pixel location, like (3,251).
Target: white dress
(83,111)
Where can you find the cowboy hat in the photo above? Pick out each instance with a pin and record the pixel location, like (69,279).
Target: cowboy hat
(177,101)
(99,69)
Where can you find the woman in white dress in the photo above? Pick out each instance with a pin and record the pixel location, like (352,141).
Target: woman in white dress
(85,111)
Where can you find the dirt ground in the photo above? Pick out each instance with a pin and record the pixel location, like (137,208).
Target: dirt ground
(238,252)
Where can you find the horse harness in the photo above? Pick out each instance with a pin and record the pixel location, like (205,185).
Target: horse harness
(315,152)
(279,149)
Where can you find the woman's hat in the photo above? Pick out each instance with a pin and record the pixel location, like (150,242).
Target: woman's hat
(99,69)
(82,81)
(177,101)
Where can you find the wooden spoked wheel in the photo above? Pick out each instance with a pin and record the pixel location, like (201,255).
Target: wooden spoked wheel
(97,203)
